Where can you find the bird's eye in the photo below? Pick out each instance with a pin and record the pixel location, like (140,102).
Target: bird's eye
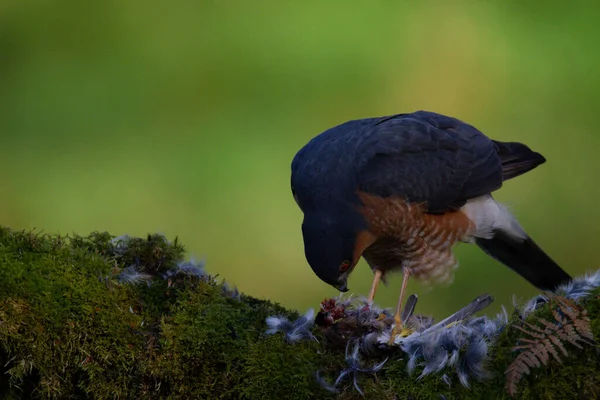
(344,266)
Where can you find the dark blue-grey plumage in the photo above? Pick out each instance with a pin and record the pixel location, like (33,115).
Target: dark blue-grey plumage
(423,156)
(430,158)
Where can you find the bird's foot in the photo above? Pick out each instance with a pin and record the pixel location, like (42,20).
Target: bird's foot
(399,331)
(400,328)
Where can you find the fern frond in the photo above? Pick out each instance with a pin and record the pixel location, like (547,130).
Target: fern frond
(556,341)
(570,324)
(578,316)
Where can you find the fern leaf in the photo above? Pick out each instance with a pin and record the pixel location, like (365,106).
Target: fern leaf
(531,359)
(514,372)
(570,324)
(569,334)
(559,344)
(549,348)
(533,330)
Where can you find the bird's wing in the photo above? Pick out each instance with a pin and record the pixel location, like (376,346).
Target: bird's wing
(427,158)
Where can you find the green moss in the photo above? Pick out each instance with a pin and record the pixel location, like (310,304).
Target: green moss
(69,329)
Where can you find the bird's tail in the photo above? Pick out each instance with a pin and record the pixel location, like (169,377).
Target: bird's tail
(526,258)
(517,158)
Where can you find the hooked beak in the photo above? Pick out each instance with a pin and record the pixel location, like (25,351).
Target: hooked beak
(342,287)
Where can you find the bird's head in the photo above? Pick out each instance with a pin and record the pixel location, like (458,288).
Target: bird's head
(333,246)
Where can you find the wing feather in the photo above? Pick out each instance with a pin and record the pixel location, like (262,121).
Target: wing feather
(427,157)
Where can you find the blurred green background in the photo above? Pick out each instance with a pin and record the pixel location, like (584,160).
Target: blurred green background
(183,118)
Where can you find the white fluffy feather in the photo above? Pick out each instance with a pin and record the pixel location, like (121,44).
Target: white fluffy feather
(489,216)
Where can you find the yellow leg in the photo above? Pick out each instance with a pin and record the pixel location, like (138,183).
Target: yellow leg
(398,321)
(376,280)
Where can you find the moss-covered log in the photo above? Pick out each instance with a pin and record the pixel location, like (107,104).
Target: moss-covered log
(75,322)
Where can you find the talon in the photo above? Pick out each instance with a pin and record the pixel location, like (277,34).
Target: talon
(399,330)
(392,339)
(406,332)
